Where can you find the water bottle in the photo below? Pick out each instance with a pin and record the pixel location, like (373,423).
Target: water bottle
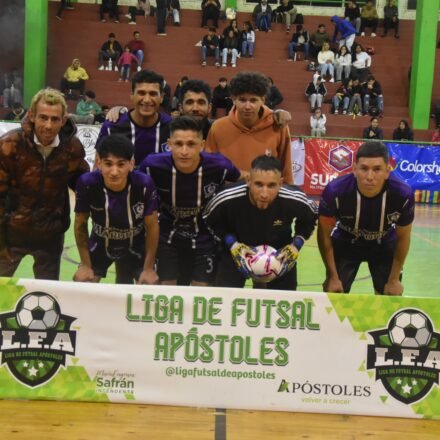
(110,64)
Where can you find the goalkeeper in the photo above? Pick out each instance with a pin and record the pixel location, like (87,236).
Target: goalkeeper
(259,212)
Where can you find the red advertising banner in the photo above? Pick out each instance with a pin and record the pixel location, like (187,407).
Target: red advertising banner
(325,160)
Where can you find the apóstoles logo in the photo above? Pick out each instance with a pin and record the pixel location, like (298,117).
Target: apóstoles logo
(35,339)
(406,355)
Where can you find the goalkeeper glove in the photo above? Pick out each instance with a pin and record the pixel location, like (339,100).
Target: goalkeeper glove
(240,253)
(288,254)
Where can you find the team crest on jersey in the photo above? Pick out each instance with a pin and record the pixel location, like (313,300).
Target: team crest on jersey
(88,137)
(35,338)
(209,190)
(340,158)
(138,210)
(393,217)
(165,148)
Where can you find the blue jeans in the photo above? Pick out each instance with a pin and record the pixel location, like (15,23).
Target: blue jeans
(234,54)
(337,102)
(263,21)
(206,51)
(294,47)
(247,45)
(125,71)
(327,67)
(140,56)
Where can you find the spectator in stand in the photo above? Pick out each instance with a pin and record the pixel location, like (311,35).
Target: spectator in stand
(124,62)
(177,97)
(86,109)
(17,113)
(263,16)
(274,97)
(346,31)
(231,46)
(317,123)
(221,97)
(300,42)
(100,119)
(369,18)
(174,8)
(342,97)
(342,63)
(110,50)
(315,92)
(326,58)
(360,67)
(436,135)
(247,40)
(137,48)
(373,131)
(211,46)
(355,94)
(142,8)
(288,10)
(318,39)
(403,132)
(75,78)
(161,17)
(372,95)
(65,4)
(353,15)
(12,88)
(233,26)
(110,6)
(210,11)
(391,19)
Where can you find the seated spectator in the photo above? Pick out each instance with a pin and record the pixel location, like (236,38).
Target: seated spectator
(124,62)
(318,39)
(360,66)
(142,8)
(75,78)
(355,94)
(436,135)
(403,132)
(111,49)
(12,88)
(137,48)
(369,18)
(233,26)
(221,97)
(299,43)
(372,95)
(315,92)
(274,97)
(390,19)
(177,97)
(110,6)
(288,10)
(317,123)
(326,57)
(342,97)
(263,16)
(353,15)
(100,119)
(373,131)
(17,113)
(210,11)
(231,46)
(174,8)
(247,40)
(346,31)
(211,46)
(86,109)
(342,63)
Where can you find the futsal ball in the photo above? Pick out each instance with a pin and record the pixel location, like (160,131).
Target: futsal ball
(38,311)
(410,328)
(264,266)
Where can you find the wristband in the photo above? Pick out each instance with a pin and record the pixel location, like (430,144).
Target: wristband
(298,242)
(230,240)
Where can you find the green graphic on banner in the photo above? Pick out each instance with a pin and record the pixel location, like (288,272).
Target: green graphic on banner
(10,293)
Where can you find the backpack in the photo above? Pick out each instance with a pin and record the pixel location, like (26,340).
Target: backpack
(311,67)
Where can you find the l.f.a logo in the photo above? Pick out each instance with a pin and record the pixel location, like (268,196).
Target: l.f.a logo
(406,355)
(35,339)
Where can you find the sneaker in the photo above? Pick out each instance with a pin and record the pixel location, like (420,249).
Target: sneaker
(223,65)
(217,64)
(101,67)
(70,8)
(128,16)
(234,65)
(289,59)
(103,20)
(269,30)
(132,22)
(58,17)
(336,112)
(139,68)
(115,21)
(161,34)
(288,30)
(344,112)
(120,79)
(116,69)
(323,80)
(373,34)
(203,63)
(362,34)
(350,113)
(332,80)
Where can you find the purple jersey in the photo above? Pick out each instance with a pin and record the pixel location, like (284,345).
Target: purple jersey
(182,197)
(146,140)
(364,220)
(117,217)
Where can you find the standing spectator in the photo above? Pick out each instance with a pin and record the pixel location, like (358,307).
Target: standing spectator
(142,8)
(390,19)
(372,94)
(161,16)
(355,94)
(353,15)
(369,18)
(346,30)
(317,123)
(111,49)
(211,46)
(137,48)
(360,67)
(210,11)
(342,96)
(221,97)
(64,4)
(12,88)
(403,132)
(174,8)
(274,97)
(86,109)
(75,78)
(326,57)
(373,131)
(263,16)
(317,39)
(248,40)
(231,45)
(38,162)
(17,114)
(125,61)
(288,11)
(343,63)
(110,6)
(315,92)
(299,42)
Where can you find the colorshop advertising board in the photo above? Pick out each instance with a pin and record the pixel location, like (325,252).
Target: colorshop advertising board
(222,348)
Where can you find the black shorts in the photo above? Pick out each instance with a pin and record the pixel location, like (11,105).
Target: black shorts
(348,258)
(176,263)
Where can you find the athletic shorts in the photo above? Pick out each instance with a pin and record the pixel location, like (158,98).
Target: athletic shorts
(175,263)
